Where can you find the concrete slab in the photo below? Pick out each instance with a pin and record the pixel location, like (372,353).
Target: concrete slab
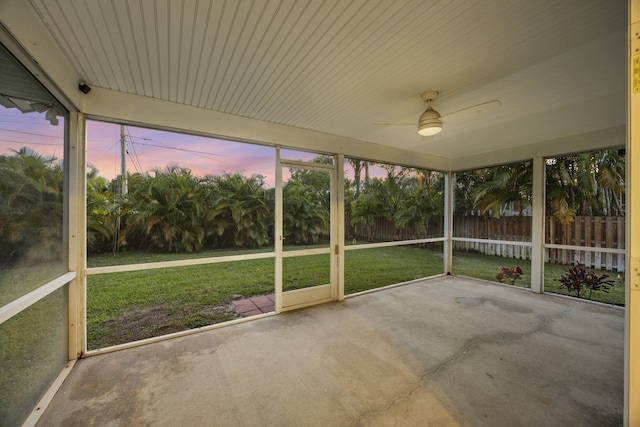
(446,351)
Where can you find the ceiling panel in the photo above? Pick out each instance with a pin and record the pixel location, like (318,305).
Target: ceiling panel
(338,66)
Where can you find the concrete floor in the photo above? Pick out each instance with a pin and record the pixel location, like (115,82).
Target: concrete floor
(446,351)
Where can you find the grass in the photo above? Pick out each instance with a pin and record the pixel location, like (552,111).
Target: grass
(32,354)
(123,307)
(486,267)
(615,295)
(141,257)
(19,280)
(367,269)
(305,271)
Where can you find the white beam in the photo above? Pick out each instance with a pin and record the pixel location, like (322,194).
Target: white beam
(339,227)
(142,111)
(537,228)
(278,234)
(449,204)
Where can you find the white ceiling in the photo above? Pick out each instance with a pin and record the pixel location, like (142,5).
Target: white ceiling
(557,66)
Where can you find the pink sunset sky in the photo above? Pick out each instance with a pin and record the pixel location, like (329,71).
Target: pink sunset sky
(146,149)
(152,149)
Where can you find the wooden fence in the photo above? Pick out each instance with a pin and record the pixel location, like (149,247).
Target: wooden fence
(383,230)
(601,232)
(598,232)
(506,228)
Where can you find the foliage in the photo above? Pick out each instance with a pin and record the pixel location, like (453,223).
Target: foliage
(407,197)
(306,218)
(307,204)
(315,180)
(578,279)
(503,187)
(171,210)
(101,206)
(422,203)
(31,207)
(168,209)
(245,209)
(586,184)
(370,206)
(494,191)
(512,274)
(357,165)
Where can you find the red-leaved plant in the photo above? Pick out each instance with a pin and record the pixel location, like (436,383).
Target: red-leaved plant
(578,279)
(511,273)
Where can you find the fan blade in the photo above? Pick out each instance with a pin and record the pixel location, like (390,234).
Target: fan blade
(475,110)
(394,123)
(468,112)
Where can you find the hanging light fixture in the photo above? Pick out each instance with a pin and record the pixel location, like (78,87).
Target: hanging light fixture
(429,123)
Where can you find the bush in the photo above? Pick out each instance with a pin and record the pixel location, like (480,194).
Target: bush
(578,279)
(511,273)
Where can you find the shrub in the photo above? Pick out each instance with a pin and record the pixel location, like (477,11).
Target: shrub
(578,279)
(511,273)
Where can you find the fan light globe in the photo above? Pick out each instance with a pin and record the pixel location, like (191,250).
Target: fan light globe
(429,123)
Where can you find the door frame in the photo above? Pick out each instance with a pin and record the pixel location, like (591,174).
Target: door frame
(333,291)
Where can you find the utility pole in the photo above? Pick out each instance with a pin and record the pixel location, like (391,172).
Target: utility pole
(123,186)
(123,162)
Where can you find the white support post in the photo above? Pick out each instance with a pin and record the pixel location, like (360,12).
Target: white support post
(278,234)
(632,320)
(447,254)
(537,228)
(76,221)
(337,195)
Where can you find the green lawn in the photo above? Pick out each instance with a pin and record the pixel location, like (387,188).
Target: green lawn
(486,267)
(123,307)
(141,257)
(33,351)
(367,269)
(19,280)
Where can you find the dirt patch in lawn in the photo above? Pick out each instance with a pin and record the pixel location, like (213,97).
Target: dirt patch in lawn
(154,321)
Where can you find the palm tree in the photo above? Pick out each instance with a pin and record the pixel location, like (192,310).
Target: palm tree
(502,187)
(244,210)
(586,184)
(31,206)
(168,210)
(306,218)
(100,212)
(582,184)
(358,166)
(368,208)
(422,203)
(610,177)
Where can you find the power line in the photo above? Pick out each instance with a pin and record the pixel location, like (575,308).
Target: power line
(164,145)
(30,143)
(134,158)
(203,154)
(31,133)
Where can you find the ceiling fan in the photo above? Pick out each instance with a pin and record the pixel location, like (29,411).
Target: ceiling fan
(430,122)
